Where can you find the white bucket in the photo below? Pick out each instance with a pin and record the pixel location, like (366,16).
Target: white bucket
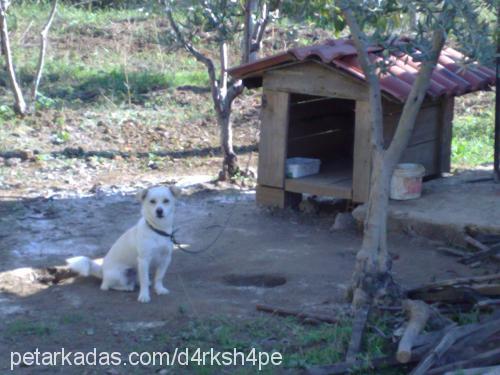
(406,182)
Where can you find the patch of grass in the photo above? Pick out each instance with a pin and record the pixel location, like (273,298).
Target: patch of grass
(70,17)
(473,139)
(300,345)
(72,318)
(24,327)
(100,54)
(463,318)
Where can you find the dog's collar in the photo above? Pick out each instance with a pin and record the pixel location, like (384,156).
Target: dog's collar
(161,232)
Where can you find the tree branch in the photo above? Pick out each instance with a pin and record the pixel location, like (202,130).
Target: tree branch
(250,6)
(259,33)
(234,90)
(214,85)
(415,98)
(375,97)
(20,104)
(43,50)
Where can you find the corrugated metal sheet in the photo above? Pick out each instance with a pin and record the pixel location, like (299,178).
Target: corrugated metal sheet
(448,78)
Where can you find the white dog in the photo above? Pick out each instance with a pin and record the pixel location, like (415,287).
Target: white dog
(149,242)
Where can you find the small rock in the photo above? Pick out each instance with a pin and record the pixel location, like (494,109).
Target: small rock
(153,165)
(344,221)
(308,206)
(12,162)
(27,155)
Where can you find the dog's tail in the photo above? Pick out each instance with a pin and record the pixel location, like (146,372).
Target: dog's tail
(85,266)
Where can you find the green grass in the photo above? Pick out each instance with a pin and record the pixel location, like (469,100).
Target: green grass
(98,55)
(24,327)
(67,15)
(300,345)
(473,139)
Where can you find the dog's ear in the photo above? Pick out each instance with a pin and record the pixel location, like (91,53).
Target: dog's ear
(176,191)
(141,195)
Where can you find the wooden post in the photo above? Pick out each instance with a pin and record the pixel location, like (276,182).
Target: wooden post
(447,106)
(272,149)
(362,153)
(496,151)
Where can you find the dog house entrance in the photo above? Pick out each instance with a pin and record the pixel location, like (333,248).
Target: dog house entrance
(322,128)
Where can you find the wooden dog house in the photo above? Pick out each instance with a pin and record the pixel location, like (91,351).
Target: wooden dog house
(315,104)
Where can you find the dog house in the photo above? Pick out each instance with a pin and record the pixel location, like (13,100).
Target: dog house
(315,104)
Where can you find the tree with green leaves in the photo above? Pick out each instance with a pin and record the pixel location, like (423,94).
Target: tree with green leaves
(428,25)
(227,21)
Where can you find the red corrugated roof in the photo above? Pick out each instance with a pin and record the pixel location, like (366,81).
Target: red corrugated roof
(449,77)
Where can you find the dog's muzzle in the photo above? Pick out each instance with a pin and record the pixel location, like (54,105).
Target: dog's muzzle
(159,213)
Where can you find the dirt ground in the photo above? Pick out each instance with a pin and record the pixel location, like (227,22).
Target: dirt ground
(273,247)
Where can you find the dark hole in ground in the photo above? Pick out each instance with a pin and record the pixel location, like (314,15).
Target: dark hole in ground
(259,280)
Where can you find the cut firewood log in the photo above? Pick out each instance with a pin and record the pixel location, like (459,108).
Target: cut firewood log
(458,282)
(491,357)
(475,243)
(418,313)
(449,339)
(485,238)
(487,303)
(491,370)
(358,326)
(491,290)
(452,251)
(448,295)
(481,255)
(304,317)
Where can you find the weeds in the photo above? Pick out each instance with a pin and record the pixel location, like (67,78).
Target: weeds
(23,327)
(473,139)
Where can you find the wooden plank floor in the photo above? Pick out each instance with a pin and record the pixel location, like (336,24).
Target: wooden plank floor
(334,180)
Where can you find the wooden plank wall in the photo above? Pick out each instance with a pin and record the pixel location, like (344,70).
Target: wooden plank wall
(425,144)
(273,136)
(314,78)
(362,153)
(447,107)
(321,128)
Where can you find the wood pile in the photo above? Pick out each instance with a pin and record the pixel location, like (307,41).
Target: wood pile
(430,341)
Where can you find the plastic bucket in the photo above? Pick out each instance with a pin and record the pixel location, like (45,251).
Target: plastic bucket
(406,182)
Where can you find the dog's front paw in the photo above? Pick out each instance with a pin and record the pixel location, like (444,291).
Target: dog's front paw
(160,289)
(144,298)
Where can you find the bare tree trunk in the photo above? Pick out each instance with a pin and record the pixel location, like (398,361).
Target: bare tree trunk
(224,90)
(372,278)
(19,103)
(43,50)
(230,160)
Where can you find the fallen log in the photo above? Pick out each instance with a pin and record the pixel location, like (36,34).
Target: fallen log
(491,290)
(491,357)
(418,312)
(358,326)
(488,303)
(447,295)
(458,281)
(304,317)
(475,243)
(481,255)
(492,370)
(485,238)
(449,339)
(452,251)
